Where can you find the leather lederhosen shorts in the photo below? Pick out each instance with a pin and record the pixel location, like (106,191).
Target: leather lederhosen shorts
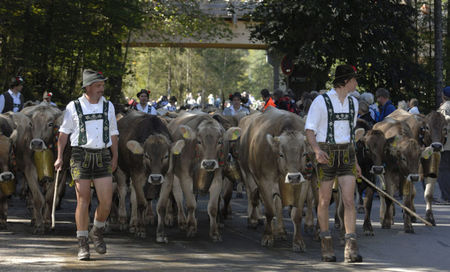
(90,163)
(342,161)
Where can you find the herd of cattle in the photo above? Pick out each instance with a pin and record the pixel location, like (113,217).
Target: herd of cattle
(171,159)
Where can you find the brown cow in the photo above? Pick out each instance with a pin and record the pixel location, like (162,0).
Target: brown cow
(430,131)
(145,155)
(402,156)
(273,157)
(8,138)
(199,167)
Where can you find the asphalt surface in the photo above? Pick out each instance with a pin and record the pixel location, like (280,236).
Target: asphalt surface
(389,250)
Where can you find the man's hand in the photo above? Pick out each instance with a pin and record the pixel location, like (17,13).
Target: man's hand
(114,163)
(58,164)
(321,156)
(358,170)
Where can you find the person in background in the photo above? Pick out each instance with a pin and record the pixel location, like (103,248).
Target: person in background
(373,108)
(385,105)
(143,103)
(364,113)
(172,106)
(47,98)
(444,169)
(287,103)
(236,106)
(12,100)
(267,98)
(217,102)
(414,106)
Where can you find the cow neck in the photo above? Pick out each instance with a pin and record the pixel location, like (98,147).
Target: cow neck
(333,117)
(83,118)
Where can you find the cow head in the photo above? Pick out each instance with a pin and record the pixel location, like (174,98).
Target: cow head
(156,154)
(434,131)
(7,139)
(370,150)
(290,149)
(406,155)
(209,140)
(44,122)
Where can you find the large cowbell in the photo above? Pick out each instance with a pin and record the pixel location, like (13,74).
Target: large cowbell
(44,160)
(202,181)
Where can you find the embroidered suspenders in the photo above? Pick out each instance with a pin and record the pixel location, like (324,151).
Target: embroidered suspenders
(332,117)
(83,118)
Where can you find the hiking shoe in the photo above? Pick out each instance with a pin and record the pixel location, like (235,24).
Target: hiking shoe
(96,236)
(83,249)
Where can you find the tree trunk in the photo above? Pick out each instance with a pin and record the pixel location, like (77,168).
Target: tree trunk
(438,49)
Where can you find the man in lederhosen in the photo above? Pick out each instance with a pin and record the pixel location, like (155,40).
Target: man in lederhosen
(91,122)
(12,100)
(330,130)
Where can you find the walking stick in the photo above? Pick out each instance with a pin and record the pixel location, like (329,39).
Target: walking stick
(411,212)
(54,199)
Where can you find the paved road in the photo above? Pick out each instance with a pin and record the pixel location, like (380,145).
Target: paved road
(389,250)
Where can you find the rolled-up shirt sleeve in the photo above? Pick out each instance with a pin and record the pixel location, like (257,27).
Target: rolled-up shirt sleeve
(68,124)
(112,120)
(315,114)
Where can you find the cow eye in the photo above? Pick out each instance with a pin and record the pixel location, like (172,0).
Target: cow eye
(281,155)
(166,156)
(199,142)
(50,124)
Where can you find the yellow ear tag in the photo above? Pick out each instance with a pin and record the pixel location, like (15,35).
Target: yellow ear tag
(176,152)
(186,135)
(235,135)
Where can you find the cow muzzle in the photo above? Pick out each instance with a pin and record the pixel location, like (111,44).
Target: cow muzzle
(37,144)
(294,178)
(437,147)
(6,176)
(209,165)
(413,178)
(156,179)
(377,169)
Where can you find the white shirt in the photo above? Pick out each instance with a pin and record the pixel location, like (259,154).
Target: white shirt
(231,111)
(152,109)
(445,110)
(16,101)
(414,110)
(317,118)
(94,128)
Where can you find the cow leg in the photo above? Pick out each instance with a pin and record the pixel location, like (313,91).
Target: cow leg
(387,213)
(361,186)
(428,195)
(227,194)
(178,196)
(407,201)
(3,211)
(186,183)
(161,207)
(50,188)
(253,202)
(368,200)
(134,217)
(213,206)
(309,217)
(279,230)
(149,214)
(298,245)
(37,197)
(266,196)
(122,194)
(139,181)
(169,212)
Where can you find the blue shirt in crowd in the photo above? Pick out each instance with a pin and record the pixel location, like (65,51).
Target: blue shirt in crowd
(385,110)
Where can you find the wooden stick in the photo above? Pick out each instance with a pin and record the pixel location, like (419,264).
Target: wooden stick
(54,199)
(411,212)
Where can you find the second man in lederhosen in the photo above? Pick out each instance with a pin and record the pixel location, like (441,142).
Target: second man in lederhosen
(330,130)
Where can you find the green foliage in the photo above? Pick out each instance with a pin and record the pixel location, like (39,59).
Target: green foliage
(378,37)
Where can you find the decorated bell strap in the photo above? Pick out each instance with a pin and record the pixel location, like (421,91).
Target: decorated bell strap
(222,155)
(12,160)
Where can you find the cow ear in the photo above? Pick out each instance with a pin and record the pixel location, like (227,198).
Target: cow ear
(273,141)
(232,134)
(427,152)
(187,133)
(359,134)
(135,147)
(14,137)
(178,147)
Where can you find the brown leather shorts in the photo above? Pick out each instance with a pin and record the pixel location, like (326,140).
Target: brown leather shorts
(90,163)
(342,161)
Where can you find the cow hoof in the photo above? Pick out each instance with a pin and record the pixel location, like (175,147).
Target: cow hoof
(239,195)
(191,232)
(252,224)
(140,234)
(361,210)
(299,246)
(132,229)
(39,230)
(369,233)
(430,217)
(281,235)
(409,229)
(162,239)
(216,238)
(309,229)
(267,241)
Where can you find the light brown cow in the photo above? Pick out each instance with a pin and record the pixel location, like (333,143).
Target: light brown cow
(402,156)
(273,157)
(45,120)
(199,167)
(145,156)
(430,132)
(8,138)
